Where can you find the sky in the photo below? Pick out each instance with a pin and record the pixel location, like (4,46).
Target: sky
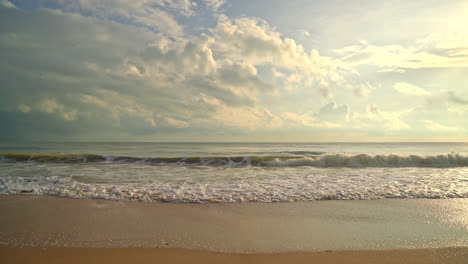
(234,71)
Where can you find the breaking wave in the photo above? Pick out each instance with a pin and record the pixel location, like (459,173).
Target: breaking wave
(312,159)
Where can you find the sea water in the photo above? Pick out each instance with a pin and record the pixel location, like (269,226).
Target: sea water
(236,172)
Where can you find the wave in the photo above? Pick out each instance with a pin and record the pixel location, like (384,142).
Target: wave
(313,159)
(274,188)
(368,160)
(45,157)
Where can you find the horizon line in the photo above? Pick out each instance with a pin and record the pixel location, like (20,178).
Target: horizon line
(243,142)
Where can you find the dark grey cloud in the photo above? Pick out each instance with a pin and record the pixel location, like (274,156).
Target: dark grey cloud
(452,97)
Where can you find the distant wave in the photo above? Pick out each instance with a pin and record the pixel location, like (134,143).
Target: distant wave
(318,160)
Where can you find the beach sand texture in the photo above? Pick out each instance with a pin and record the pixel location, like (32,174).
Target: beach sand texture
(151,255)
(48,229)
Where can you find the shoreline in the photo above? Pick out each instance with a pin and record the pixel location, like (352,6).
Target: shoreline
(43,229)
(150,255)
(45,221)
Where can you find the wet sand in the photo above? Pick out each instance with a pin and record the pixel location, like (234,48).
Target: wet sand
(51,229)
(147,255)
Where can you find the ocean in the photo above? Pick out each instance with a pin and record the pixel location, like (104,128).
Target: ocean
(235,172)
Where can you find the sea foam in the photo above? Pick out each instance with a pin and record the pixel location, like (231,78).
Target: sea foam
(232,184)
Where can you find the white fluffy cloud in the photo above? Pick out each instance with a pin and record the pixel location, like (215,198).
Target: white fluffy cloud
(363,90)
(410,89)
(253,41)
(436,51)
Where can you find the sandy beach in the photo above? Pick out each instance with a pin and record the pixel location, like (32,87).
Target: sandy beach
(223,131)
(148,255)
(48,229)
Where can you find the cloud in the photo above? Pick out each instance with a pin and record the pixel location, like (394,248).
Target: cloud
(447,44)
(303,32)
(7,4)
(214,5)
(452,97)
(51,106)
(395,70)
(377,120)
(330,115)
(126,107)
(434,126)
(434,51)
(123,76)
(88,69)
(56,73)
(184,7)
(438,109)
(304,119)
(193,67)
(307,121)
(150,14)
(409,89)
(332,112)
(254,42)
(250,118)
(177,123)
(363,90)
(24,108)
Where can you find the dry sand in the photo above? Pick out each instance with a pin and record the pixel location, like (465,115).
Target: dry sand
(40,229)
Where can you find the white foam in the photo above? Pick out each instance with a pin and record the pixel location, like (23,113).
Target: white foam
(234,184)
